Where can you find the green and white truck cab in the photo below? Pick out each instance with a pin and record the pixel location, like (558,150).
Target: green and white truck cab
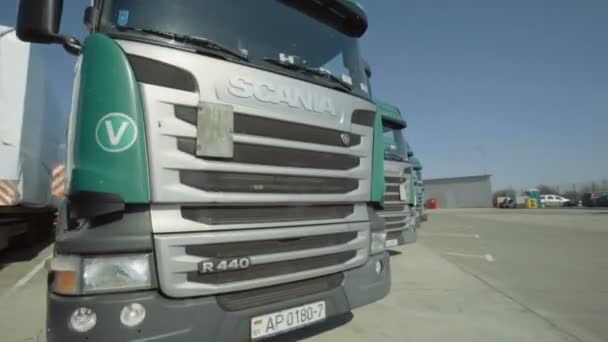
(418,190)
(396,209)
(219,166)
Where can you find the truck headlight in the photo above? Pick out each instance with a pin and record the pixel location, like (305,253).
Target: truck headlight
(378,243)
(101,274)
(75,275)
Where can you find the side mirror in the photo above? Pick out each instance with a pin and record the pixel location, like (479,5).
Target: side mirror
(368,69)
(38,21)
(91,17)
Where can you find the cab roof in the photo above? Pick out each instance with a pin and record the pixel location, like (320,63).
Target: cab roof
(390,112)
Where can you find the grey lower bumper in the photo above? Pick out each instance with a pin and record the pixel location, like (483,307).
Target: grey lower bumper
(202,319)
(424,218)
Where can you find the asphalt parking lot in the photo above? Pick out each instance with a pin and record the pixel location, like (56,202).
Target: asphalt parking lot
(474,275)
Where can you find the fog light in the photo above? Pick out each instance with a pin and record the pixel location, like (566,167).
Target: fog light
(132,315)
(83,320)
(378,267)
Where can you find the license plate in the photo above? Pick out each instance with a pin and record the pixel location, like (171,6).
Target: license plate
(286,320)
(392,243)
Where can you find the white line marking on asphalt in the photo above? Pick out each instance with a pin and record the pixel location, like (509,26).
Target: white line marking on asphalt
(450,235)
(21,282)
(487,257)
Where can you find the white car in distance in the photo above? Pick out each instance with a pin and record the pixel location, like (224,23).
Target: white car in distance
(554,201)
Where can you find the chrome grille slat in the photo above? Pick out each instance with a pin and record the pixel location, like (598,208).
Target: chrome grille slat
(264,247)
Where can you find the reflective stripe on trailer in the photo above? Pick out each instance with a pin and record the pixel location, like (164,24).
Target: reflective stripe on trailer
(58,185)
(9,192)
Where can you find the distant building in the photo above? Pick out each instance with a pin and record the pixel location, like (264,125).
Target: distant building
(460,192)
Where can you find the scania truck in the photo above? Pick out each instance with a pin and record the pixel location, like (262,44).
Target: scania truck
(219,163)
(30,140)
(418,191)
(395,208)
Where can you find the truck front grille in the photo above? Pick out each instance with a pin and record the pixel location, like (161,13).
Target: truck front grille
(291,197)
(274,160)
(396,211)
(278,255)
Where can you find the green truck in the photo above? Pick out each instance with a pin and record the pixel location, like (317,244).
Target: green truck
(396,207)
(219,169)
(418,191)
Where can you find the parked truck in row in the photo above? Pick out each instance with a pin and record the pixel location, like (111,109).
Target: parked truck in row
(418,190)
(396,208)
(219,165)
(30,140)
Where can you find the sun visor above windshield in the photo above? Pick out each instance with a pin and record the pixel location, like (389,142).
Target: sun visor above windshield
(391,115)
(346,16)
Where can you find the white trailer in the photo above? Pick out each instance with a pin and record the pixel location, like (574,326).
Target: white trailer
(31,131)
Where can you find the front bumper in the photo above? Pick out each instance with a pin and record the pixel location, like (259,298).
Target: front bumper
(404,237)
(203,319)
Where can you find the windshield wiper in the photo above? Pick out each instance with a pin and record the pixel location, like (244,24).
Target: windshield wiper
(193,40)
(313,71)
(388,155)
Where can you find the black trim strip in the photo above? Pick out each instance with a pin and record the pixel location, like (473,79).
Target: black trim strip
(162,74)
(259,214)
(280,293)
(394,179)
(279,156)
(363,117)
(261,183)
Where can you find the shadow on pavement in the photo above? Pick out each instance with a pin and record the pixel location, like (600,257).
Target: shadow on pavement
(393,252)
(314,330)
(18,253)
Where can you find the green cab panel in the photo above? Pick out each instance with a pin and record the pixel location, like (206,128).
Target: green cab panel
(384,111)
(109,143)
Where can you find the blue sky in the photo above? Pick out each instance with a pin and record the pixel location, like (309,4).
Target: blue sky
(515,88)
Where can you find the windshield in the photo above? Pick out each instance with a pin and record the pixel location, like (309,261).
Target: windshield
(394,146)
(260,30)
